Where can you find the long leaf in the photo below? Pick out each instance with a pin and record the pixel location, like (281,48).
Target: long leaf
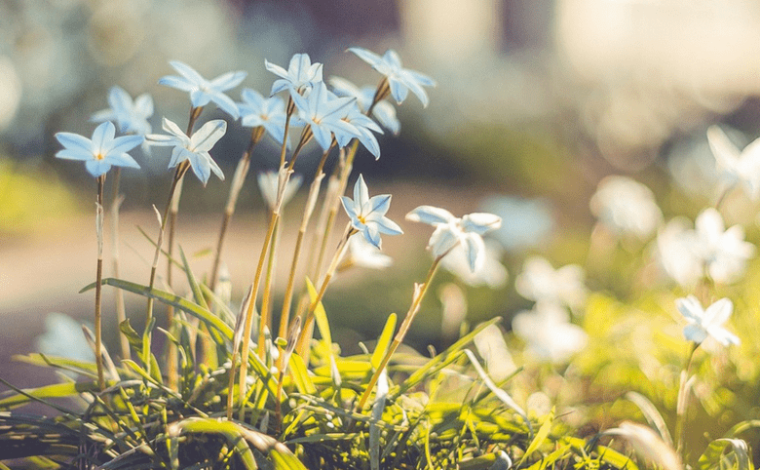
(384,341)
(541,435)
(714,455)
(198,312)
(49,391)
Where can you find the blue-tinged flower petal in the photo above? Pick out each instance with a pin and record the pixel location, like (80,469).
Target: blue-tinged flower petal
(387,226)
(123,159)
(430,215)
(480,222)
(399,90)
(443,239)
(125,143)
(323,136)
(199,98)
(200,166)
(366,55)
(71,154)
(176,82)
(475,249)
(228,80)
(226,104)
(400,80)
(372,234)
(75,142)
(380,204)
(348,205)
(361,193)
(694,333)
(97,167)
(144,105)
(276,69)
(209,134)
(186,71)
(103,136)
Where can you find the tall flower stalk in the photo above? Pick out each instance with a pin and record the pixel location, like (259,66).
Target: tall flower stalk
(99,153)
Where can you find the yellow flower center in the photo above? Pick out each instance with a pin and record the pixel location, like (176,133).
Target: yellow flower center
(362,219)
(99,156)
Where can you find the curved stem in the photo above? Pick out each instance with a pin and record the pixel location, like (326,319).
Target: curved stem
(419,294)
(308,211)
(307,323)
(98,279)
(683,402)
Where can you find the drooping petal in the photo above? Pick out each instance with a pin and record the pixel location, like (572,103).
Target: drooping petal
(123,159)
(398,90)
(475,249)
(690,308)
(480,222)
(443,239)
(372,234)
(694,333)
(97,167)
(430,215)
(200,98)
(226,104)
(322,135)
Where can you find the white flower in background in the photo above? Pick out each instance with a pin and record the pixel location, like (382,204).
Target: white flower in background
(131,116)
(677,254)
(63,337)
(735,166)
(493,349)
(194,148)
(530,221)
(450,231)
(366,255)
(539,281)
(548,332)
(723,252)
(626,206)
(490,273)
(704,323)
(268,182)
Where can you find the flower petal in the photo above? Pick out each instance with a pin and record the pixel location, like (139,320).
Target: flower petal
(204,138)
(430,215)
(188,72)
(228,80)
(480,222)
(75,142)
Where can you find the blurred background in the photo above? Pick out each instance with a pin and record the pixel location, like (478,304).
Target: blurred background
(537,101)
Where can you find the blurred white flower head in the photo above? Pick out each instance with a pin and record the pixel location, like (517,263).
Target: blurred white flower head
(539,281)
(268,185)
(548,333)
(530,221)
(676,252)
(706,323)
(734,166)
(493,349)
(723,251)
(626,206)
(490,273)
(366,255)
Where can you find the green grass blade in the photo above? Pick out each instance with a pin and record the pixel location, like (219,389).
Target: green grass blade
(384,341)
(24,396)
(715,457)
(194,286)
(541,435)
(301,375)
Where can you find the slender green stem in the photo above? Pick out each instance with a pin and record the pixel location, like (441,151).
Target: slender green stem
(121,315)
(682,404)
(237,185)
(308,211)
(98,280)
(266,309)
(303,340)
(171,349)
(260,268)
(178,174)
(419,294)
